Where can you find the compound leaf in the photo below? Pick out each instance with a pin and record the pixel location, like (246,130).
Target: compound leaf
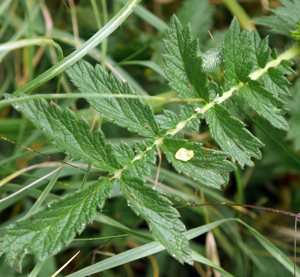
(265,104)
(161,217)
(238,54)
(284,18)
(125,112)
(184,63)
(55,226)
(230,134)
(69,134)
(207,166)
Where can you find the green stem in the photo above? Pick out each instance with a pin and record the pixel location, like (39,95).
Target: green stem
(30,35)
(105,41)
(240,190)
(10,46)
(86,176)
(37,269)
(96,13)
(240,13)
(80,95)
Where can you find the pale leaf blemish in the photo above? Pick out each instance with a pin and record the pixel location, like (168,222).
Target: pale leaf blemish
(184,155)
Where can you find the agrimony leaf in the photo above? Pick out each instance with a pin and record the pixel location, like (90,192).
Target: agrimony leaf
(265,104)
(238,54)
(274,54)
(125,112)
(275,81)
(284,18)
(55,226)
(187,112)
(161,217)
(141,147)
(230,134)
(214,90)
(69,134)
(139,169)
(184,63)
(124,152)
(207,166)
(285,67)
(261,49)
(168,120)
(296,33)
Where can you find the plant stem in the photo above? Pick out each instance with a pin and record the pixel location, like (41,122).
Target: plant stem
(239,186)
(86,175)
(240,13)
(105,41)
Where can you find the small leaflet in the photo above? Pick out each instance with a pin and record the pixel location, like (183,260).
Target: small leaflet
(261,49)
(125,112)
(238,54)
(184,63)
(230,133)
(265,104)
(162,218)
(276,82)
(187,112)
(168,120)
(46,232)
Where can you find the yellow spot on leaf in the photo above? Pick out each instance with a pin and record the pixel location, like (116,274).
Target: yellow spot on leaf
(184,155)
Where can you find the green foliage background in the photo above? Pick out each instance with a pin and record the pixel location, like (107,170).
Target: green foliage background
(135,50)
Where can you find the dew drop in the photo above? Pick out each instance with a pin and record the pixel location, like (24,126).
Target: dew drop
(25,251)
